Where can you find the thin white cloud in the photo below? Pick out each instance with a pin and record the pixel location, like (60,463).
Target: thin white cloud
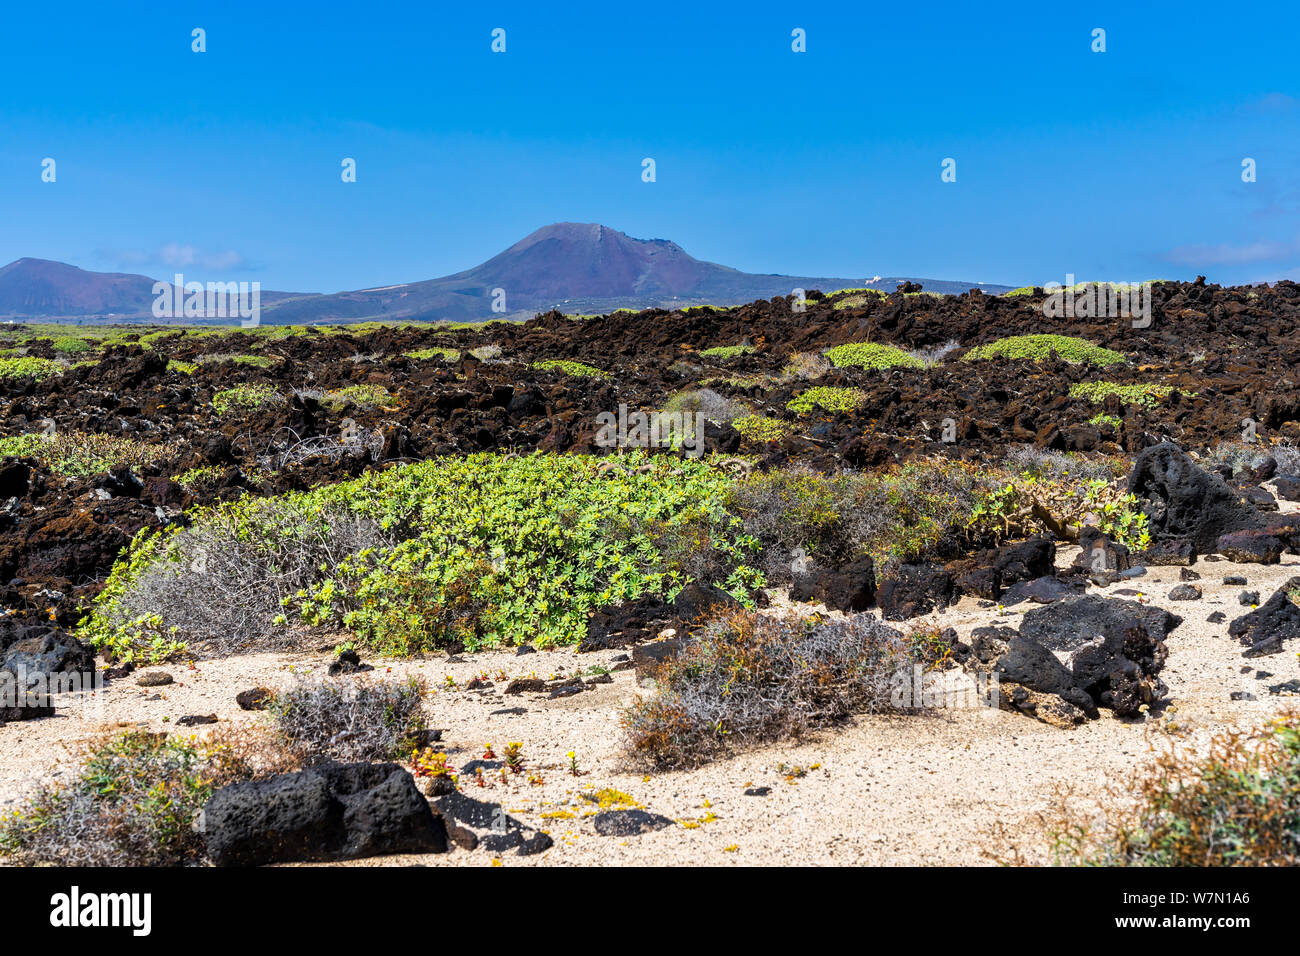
(1226,254)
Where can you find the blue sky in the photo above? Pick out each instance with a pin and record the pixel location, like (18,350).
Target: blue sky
(1121,165)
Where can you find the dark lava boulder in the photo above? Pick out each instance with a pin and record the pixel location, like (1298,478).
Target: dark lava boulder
(340,812)
(476,824)
(1032,666)
(989,571)
(37,661)
(1288,487)
(1251,547)
(1169,552)
(1185,501)
(620,625)
(1069,625)
(1044,590)
(1264,629)
(1115,649)
(851,587)
(911,590)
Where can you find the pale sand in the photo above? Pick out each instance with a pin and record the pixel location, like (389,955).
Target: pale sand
(887,790)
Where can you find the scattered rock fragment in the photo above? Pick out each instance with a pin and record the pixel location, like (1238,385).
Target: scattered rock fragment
(624,823)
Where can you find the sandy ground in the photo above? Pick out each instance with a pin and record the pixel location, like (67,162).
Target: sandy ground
(882,790)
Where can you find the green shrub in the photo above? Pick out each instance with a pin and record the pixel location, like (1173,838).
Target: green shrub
(726,351)
(184,368)
(245,397)
(1096,392)
(71,344)
(362,396)
(81,454)
(482,550)
(907,513)
(827,398)
(568,368)
(37,368)
(256,361)
(1101,418)
(199,479)
(1038,347)
(761,428)
(446,355)
(871,356)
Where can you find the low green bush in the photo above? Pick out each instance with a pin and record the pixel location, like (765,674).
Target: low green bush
(1148,395)
(245,397)
(134,802)
(481,550)
(37,368)
(81,454)
(1038,347)
(761,428)
(568,367)
(828,398)
(870,355)
(726,351)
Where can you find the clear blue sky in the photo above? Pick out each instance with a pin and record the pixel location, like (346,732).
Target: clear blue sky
(1121,165)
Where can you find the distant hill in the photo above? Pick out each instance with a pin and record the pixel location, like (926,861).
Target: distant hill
(45,289)
(575,267)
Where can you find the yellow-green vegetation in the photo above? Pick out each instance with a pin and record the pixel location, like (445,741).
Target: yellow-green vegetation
(150,340)
(256,361)
(827,398)
(1016,293)
(1038,347)
(735,381)
(1232,802)
(71,344)
(184,368)
(37,368)
(132,802)
(245,397)
(1029,504)
(482,550)
(362,396)
(1141,394)
(199,479)
(446,355)
(1101,418)
(568,367)
(761,428)
(726,351)
(901,513)
(80,454)
(858,298)
(870,355)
